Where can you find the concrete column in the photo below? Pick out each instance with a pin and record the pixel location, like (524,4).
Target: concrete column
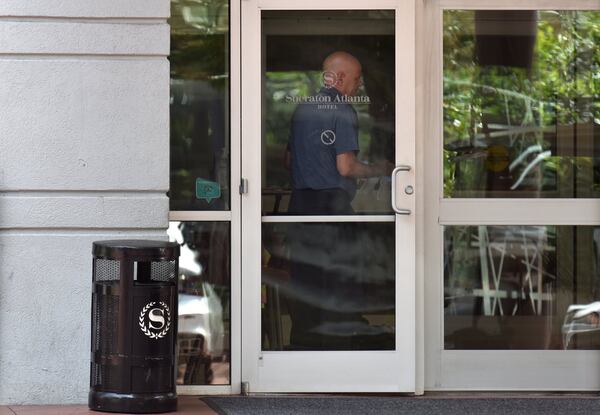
(84,156)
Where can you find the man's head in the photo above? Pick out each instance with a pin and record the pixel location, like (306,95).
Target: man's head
(346,71)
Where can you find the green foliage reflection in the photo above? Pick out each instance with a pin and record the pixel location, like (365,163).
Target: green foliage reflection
(518,87)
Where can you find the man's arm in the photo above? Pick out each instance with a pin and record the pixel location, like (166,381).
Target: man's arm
(349,166)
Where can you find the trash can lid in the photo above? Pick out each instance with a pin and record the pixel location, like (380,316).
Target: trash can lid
(136,249)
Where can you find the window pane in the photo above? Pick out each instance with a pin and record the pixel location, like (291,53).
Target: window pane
(200,136)
(310,117)
(204,336)
(328,286)
(521,103)
(522,287)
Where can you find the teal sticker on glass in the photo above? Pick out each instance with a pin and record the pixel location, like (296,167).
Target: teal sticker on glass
(207,190)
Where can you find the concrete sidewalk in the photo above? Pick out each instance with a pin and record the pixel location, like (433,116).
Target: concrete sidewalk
(187,405)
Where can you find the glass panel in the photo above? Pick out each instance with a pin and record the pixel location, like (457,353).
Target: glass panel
(328,286)
(522,287)
(200,136)
(204,336)
(328,111)
(521,103)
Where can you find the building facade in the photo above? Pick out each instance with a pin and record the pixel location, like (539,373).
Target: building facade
(465,258)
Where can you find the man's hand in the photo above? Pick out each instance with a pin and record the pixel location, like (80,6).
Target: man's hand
(348,165)
(385,167)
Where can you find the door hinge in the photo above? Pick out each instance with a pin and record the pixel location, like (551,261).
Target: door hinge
(243,186)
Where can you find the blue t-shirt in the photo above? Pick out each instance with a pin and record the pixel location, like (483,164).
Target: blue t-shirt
(320,131)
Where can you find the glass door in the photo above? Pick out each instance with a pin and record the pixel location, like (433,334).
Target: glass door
(328,256)
(515,281)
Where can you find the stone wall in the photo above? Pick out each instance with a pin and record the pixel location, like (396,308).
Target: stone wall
(84,144)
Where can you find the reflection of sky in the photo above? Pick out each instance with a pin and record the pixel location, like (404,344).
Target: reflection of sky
(187,258)
(579,319)
(192,304)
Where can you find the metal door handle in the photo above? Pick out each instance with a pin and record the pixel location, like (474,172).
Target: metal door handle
(396,208)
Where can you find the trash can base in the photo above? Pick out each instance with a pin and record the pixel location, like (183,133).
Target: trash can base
(135,403)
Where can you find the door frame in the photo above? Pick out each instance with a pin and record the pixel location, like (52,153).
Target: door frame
(251,93)
(435,369)
(503,370)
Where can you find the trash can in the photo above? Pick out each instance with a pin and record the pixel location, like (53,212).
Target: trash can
(134,326)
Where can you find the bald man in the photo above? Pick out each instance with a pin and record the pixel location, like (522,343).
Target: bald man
(323,144)
(323,149)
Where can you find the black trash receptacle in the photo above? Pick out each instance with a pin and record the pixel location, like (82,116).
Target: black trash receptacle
(134,326)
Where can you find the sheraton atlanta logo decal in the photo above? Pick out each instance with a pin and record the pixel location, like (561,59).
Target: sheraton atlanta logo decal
(155,319)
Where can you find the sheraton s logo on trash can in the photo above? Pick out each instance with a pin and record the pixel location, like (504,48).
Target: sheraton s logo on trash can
(155,319)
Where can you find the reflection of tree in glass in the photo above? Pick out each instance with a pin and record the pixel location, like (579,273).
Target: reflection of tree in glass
(199,101)
(518,105)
